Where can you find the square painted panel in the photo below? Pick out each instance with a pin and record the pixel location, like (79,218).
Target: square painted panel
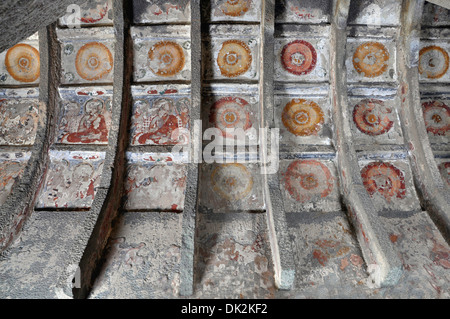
(375,12)
(371,60)
(303,119)
(233,110)
(374,117)
(436,115)
(231,52)
(444,169)
(20,64)
(309,185)
(303,11)
(12,166)
(389,182)
(19,116)
(239,11)
(155,182)
(302,56)
(160,115)
(161,11)
(434,57)
(161,53)
(434,15)
(72,180)
(84,115)
(91,13)
(87,55)
(231,187)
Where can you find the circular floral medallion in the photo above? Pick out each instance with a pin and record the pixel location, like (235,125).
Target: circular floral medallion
(22,62)
(166,58)
(302,117)
(437,117)
(433,62)
(384,179)
(299,57)
(94,60)
(230,113)
(372,117)
(371,59)
(234,58)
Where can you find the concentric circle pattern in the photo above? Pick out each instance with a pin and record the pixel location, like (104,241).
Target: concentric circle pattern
(232,181)
(230,113)
(308,180)
(166,58)
(94,61)
(433,62)
(234,58)
(437,117)
(22,62)
(384,179)
(299,57)
(302,117)
(372,117)
(371,59)
(235,8)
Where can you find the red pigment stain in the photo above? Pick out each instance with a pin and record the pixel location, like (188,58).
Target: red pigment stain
(320,256)
(393,238)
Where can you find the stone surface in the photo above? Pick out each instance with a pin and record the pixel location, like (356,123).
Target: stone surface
(37,258)
(143,258)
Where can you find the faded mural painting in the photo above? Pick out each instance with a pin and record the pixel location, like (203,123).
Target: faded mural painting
(85,116)
(72,180)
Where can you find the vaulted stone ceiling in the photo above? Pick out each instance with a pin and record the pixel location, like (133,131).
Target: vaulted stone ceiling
(111,187)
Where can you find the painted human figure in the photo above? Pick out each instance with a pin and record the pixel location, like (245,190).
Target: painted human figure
(161,126)
(92,127)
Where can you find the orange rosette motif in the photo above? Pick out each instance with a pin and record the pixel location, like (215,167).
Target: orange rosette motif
(371,59)
(166,58)
(234,58)
(433,62)
(302,117)
(94,61)
(22,62)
